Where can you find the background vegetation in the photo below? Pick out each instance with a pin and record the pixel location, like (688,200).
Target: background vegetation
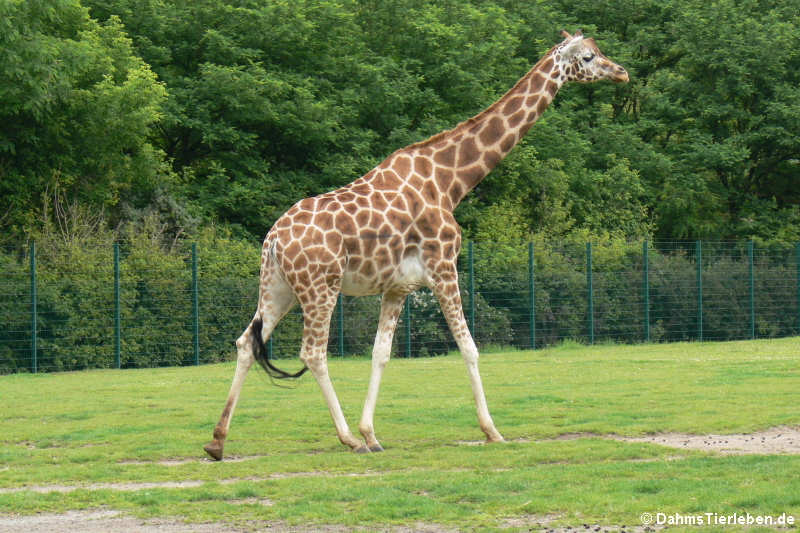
(156,122)
(226,112)
(76,300)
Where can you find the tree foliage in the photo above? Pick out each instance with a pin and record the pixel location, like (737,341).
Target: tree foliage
(78,107)
(227,112)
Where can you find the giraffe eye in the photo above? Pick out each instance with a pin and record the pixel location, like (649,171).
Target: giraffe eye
(588,58)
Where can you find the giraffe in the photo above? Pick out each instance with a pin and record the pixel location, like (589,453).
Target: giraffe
(391,232)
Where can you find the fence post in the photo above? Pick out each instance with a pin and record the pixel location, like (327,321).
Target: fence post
(751,276)
(407,320)
(531,296)
(590,291)
(797,266)
(34,317)
(698,257)
(117,317)
(195,306)
(646,289)
(340,323)
(471,287)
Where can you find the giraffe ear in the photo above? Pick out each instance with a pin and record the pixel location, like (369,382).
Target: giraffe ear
(565,34)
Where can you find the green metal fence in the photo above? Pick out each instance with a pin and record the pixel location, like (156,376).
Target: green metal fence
(119,309)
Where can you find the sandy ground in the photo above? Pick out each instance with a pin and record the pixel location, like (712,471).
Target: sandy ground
(100,521)
(113,521)
(780,440)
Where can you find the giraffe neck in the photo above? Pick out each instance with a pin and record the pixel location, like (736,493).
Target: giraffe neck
(463,156)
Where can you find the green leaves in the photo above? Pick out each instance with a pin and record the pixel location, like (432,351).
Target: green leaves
(730,114)
(235,110)
(78,107)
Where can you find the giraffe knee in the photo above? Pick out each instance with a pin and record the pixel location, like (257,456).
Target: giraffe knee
(245,357)
(243,342)
(381,356)
(245,349)
(470,355)
(315,362)
(382,361)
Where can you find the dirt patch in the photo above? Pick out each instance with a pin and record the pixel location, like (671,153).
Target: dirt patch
(574,436)
(780,440)
(105,521)
(529,521)
(266,502)
(192,460)
(131,487)
(597,528)
(43,489)
(543,523)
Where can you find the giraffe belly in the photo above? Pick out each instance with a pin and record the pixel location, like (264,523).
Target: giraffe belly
(408,276)
(355,284)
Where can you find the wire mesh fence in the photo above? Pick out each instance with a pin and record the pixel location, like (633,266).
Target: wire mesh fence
(121,307)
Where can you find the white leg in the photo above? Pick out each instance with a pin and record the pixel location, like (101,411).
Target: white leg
(320,370)
(244,360)
(391,306)
(275,300)
(449,297)
(470,354)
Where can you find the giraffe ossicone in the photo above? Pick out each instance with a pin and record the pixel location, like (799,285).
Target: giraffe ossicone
(391,232)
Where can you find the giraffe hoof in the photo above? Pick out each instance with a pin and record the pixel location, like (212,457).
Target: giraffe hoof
(361,449)
(214,449)
(376,448)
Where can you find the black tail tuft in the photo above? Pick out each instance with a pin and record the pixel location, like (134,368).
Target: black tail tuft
(260,353)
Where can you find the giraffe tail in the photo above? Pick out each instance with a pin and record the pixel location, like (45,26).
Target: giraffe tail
(260,353)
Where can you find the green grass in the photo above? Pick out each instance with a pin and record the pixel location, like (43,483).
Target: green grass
(111,427)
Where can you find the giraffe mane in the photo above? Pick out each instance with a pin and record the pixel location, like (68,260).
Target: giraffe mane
(466,124)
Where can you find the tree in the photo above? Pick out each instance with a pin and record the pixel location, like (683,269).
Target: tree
(735,92)
(259,104)
(77,106)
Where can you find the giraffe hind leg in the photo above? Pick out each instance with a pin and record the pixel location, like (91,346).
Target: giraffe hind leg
(275,300)
(391,306)
(245,357)
(447,292)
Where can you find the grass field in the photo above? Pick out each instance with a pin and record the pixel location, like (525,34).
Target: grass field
(110,433)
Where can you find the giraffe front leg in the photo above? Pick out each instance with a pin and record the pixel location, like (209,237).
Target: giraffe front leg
(316,324)
(319,368)
(449,297)
(391,306)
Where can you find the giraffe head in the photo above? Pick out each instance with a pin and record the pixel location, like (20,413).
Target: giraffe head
(580,60)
